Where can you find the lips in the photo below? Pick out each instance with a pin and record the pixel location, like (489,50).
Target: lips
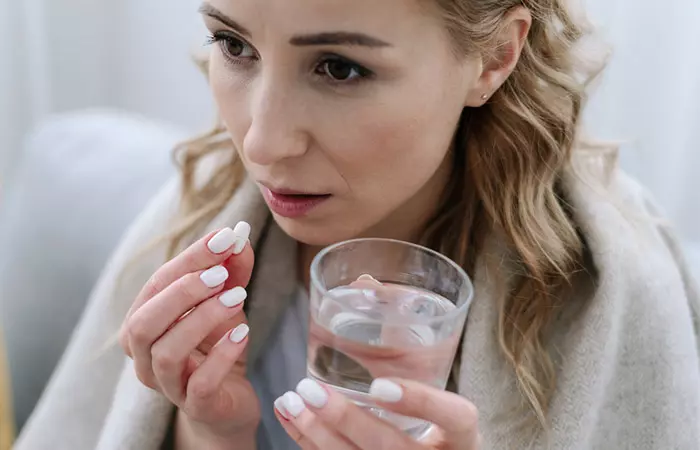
(290,203)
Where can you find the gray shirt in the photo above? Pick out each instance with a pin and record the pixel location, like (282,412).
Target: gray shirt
(281,366)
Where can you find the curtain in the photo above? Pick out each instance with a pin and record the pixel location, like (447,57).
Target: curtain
(67,54)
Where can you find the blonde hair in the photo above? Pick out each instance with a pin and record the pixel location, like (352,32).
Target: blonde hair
(509,158)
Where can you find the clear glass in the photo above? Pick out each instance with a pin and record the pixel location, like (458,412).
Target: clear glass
(385,308)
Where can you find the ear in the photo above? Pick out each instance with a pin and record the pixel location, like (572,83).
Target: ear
(496,68)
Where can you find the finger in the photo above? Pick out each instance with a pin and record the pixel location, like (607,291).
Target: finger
(171,352)
(164,311)
(204,385)
(213,249)
(362,428)
(201,255)
(292,431)
(312,430)
(453,414)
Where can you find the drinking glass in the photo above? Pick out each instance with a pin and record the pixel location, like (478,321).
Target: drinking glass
(385,308)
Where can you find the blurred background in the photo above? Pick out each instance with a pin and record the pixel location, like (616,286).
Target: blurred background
(63,55)
(93,95)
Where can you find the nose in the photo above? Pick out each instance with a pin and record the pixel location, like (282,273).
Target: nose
(276,130)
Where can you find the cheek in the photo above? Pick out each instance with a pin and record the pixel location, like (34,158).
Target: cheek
(396,152)
(230,95)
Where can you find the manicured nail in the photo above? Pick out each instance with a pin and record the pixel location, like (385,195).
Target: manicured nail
(234,297)
(214,276)
(242,233)
(279,406)
(239,333)
(386,391)
(293,403)
(222,241)
(312,392)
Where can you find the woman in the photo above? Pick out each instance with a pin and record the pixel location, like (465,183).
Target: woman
(451,123)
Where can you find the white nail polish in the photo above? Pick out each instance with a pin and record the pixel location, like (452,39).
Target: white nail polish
(279,406)
(293,403)
(239,333)
(242,233)
(222,241)
(234,297)
(214,276)
(386,391)
(312,392)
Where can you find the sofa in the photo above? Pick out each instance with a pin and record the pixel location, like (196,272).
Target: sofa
(82,178)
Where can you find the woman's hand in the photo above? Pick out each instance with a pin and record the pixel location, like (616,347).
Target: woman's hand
(319,419)
(186,333)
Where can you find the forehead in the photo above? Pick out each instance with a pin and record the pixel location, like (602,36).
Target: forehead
(386,19)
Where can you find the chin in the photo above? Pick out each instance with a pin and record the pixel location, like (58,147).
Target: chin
(316,233)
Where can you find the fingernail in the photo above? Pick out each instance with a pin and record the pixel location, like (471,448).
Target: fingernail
(385,391)
(312,392)
(214,276)
(239,333)
(293,403)
(234,297)
(222,241)
(241,232)
(279,406)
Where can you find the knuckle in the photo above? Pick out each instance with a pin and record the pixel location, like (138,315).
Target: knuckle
(210,314)
(155,284)
(124,340)
(199,390)
(188,288)
(195,258)
(164,361)
(138,330)
(146,379)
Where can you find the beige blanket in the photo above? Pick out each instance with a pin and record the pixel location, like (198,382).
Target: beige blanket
(629,376)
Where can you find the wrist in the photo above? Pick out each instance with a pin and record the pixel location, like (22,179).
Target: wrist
(193,435)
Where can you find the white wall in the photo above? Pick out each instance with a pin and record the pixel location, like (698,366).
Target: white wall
(60,55)
(13,115)
(650,99)
(154,72)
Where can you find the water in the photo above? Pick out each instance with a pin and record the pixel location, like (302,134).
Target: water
(371,330)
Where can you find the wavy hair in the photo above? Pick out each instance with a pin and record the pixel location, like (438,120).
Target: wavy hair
(509,156)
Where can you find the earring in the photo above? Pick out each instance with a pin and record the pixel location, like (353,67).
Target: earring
(485,97)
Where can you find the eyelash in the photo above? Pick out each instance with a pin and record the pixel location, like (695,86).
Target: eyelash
(222,39)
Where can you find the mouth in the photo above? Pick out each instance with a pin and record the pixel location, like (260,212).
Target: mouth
(291,203)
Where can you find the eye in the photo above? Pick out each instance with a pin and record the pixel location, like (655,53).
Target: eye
(341,70)
(233,47)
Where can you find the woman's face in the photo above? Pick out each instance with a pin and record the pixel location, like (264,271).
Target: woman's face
(343,111)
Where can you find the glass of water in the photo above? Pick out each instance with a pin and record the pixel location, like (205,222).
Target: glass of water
(384,308)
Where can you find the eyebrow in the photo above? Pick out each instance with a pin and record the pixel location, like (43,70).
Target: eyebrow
(209,10)
(330,38)
(338,38)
